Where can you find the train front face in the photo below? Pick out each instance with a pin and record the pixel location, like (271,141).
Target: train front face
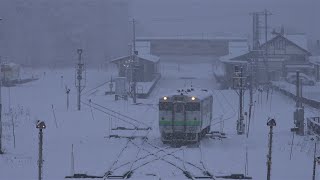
(179,118)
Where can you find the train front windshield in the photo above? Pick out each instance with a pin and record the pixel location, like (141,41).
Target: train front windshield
(193,106)
(165,106)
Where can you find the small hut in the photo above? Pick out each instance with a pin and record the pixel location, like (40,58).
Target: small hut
(146,66)
(10,72)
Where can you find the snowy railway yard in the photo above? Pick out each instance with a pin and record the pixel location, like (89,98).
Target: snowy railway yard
(96,153)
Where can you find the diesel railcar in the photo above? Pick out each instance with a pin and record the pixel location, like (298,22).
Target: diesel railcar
(185,116)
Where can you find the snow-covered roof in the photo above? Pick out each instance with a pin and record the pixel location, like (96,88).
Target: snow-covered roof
(198,93)
(197,37)
(298,39)
(298,66)
(10,64)
(235,49)
(314,60)
(233,61)
(147,57)
(228,59)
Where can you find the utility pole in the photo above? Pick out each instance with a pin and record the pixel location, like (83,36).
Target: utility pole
(40,125)
(80,68)
(238,83)
(251,97)
(270,123)
(68,92)
(297,89)
(299,113)
(255,48)
(241,118)
(1,152)
(61,81)
(72,161)
(134,63)
(134,35)
(314,161)
(266,14)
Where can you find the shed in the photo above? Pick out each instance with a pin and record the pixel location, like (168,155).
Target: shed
(10,72)
(147,67)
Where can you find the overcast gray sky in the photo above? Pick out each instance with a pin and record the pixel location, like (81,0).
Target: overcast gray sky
(170,17)
(43,31)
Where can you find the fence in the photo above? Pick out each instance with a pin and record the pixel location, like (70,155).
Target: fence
(145,95)
(313,126)
(310,102)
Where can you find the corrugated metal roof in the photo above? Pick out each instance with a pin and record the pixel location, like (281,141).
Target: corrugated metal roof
(185,37)
(198,93)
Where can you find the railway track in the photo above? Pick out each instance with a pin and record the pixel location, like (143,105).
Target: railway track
(139,152)
(145,153)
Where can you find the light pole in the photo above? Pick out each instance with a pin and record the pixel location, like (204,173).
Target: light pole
(314,158)
(67,91)
(238,84)
(1,152)
(40,125)
(271,123)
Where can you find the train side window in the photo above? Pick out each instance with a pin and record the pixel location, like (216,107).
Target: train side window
(193,107)
(165,106)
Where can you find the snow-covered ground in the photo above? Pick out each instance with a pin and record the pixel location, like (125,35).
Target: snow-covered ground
(95,153)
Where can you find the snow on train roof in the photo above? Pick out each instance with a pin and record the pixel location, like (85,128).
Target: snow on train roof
(198,93)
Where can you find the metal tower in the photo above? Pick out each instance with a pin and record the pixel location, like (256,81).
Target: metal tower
(239,84)
(80,80)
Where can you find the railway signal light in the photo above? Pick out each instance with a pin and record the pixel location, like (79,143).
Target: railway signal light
(271,123)
(40,125)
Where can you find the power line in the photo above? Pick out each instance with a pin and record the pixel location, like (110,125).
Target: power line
(119,114)
(100,85)
(110,114)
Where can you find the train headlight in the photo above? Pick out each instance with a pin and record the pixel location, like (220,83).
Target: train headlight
(165,98)
(193,98)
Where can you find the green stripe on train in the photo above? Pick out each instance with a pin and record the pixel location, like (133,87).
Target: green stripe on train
(180,123)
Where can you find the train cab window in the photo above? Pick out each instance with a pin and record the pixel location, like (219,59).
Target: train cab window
(193,106)
(165,106)
(178,108)
(179,98)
